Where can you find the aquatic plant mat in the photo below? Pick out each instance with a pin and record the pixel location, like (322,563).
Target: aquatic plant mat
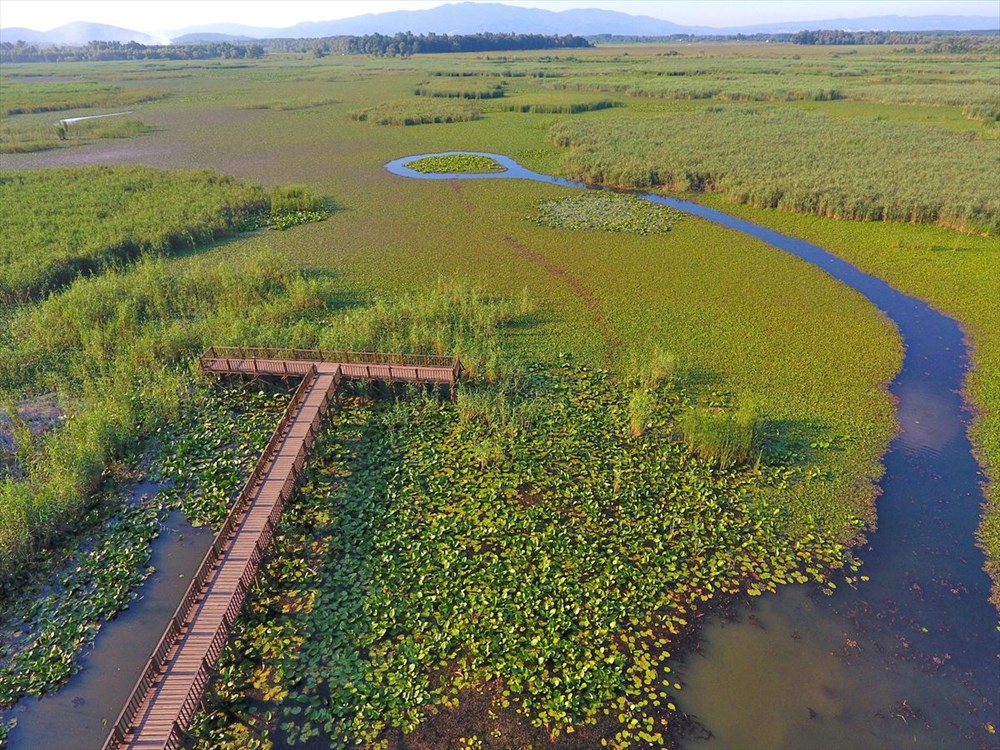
(452,163)
(517,565)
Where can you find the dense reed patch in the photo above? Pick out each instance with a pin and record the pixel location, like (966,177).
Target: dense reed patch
(844,169)
(451,88)
(415,112)
(19,138)
(570,108)
(21,97)
(730,438)
(60,223)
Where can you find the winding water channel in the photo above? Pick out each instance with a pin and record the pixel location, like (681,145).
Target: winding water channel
(909,660)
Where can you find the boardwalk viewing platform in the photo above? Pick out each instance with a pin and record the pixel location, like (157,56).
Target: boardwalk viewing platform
(170,687)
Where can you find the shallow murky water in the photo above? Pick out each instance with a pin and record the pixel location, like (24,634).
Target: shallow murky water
(79,715)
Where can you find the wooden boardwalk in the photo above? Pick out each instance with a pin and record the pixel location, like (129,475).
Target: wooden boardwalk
(170,687)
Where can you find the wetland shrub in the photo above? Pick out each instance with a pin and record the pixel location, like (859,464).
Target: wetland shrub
(728,438)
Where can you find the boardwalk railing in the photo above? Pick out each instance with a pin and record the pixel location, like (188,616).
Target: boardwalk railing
(179,620)
(293,356)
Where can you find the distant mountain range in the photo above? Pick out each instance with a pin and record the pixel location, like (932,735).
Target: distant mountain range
(471,18)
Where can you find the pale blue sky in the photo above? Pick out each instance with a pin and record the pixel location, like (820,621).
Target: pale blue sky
(153,16)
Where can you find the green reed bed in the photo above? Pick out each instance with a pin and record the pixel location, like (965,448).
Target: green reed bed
(23,138)
(844,169)
(21,97)
(63,222)
(411,112)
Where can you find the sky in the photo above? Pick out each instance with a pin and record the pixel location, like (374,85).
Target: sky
(152,16)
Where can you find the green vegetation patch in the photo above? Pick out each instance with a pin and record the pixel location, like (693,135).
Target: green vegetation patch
(20,97)
(457,163)
(567,108)
(16,138)
(66,222)
(460,88)
(59,223)
(607,211)
(804,162)
(522,539)
(417,112)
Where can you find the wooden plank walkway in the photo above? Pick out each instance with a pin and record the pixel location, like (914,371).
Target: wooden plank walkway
(170,687)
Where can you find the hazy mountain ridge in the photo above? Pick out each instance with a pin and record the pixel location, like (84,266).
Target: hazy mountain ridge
(77,34)
(471,18)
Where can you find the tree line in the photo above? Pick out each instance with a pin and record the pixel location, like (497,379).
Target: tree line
(104,51)
(402,44)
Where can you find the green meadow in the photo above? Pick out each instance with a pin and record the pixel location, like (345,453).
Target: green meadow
(636,375)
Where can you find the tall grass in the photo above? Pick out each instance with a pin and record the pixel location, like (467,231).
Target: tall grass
(415,112)
(729,438)
(804,162)
(119,348)
(60,223)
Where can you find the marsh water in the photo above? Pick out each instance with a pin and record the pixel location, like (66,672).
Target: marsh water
(78,716)
(910,659)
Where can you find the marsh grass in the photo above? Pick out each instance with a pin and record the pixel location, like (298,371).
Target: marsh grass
(726,437)
(411,112)
(833,167)
(120,348)
(26,138)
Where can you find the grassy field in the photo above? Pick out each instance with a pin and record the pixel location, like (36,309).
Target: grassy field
(741,324)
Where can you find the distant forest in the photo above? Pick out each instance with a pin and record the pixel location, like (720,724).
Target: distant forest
(406,43)
(943,41)
(380,45)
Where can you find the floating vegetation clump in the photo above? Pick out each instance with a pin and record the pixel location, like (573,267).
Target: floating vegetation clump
(607,211)
(464,163)
(524,543)
(43,628)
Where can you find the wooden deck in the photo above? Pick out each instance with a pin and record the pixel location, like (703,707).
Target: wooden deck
(168,691)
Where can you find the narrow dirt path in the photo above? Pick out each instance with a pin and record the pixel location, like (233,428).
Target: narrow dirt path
(612,343)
